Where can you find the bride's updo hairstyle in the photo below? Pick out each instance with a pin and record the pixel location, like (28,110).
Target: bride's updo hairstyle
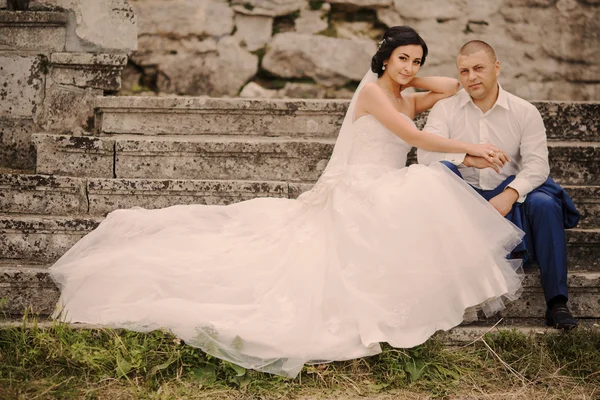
(396,36)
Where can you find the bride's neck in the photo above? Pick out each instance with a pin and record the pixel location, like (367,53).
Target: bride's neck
(389,84)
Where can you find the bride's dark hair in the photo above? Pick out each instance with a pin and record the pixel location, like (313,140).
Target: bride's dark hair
(396,36)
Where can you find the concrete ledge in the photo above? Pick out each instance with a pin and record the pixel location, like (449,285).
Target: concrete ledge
(29,31)
(75,156)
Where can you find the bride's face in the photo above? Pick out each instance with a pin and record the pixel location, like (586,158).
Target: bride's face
(404,63)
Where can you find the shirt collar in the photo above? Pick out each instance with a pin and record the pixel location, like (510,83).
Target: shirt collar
(502,100)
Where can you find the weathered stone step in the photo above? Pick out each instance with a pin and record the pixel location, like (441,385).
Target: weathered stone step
(214,116)
(240,158)
(291,118)
(30,286)
(46,238)
(42,194)
(195,157)
(59,195)
(41,238)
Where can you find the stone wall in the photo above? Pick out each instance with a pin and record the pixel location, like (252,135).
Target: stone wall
(54,59)
(549,49)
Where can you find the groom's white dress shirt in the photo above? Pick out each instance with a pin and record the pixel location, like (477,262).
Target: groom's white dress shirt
(512,124)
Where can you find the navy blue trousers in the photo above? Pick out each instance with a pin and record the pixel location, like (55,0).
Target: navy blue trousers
(543,216)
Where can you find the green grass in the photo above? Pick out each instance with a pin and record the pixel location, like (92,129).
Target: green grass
(59,361)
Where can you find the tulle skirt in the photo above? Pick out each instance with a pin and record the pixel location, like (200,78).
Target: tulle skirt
(378,255)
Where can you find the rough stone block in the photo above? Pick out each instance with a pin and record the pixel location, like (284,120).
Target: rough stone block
(575,163)
(42,239)
(21,84)
(68,108)
(253,30)
(294,55)
(42,194)
(88,70)
(74,155)
(16,149)
(29,289)
(42,31)
(571,120)
(219,158)
(106,195)
(186,116)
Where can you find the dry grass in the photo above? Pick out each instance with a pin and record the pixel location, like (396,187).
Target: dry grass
(59,362)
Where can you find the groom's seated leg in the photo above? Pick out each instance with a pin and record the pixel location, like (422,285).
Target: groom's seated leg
(548,239)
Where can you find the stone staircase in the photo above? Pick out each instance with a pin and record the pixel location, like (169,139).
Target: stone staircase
(157,152)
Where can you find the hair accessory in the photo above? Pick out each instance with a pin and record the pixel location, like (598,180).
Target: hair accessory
(381,43)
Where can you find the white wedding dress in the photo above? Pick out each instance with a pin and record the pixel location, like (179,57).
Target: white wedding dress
(381,253)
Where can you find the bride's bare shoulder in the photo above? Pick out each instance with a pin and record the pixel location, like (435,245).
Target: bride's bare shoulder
(370,89)
(370,92)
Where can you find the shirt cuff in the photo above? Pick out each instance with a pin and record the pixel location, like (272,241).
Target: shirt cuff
(455,158)
(522,186)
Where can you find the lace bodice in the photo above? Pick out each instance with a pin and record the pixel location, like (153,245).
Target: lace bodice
(373,143)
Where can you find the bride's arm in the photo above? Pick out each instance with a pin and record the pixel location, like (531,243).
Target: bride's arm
(439,87)
(373,100)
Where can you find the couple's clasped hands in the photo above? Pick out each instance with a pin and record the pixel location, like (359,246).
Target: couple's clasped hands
(489,156)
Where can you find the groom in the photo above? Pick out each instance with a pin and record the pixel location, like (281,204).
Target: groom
(482,112)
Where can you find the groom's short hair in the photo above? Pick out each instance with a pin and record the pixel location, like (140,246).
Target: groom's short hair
(474,46)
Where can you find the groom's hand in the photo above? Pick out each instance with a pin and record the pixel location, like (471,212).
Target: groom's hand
(479,163)
(504,201)
(499,159)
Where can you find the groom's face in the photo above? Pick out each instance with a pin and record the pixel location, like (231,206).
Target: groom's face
(478,74)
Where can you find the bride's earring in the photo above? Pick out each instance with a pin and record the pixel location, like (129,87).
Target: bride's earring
(383,67)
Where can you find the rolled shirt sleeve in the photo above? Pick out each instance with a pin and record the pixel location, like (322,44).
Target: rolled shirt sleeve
(534,155)
(437,122)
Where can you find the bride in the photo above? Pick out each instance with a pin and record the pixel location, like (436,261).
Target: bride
(375,252)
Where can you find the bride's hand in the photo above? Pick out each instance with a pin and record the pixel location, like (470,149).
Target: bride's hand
(485,150)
